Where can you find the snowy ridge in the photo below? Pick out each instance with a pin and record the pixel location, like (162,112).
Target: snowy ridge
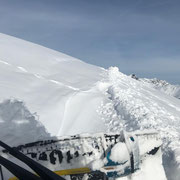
(136,106)
(162,85)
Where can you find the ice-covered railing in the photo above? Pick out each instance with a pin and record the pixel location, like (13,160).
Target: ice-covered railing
(86,150)
(148,140)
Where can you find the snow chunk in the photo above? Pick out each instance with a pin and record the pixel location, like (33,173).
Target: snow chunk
(96,165)
(114,73)
(119,153)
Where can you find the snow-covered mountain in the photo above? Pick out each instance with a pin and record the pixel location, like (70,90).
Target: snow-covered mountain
(162,85)
(55,86)
(46,93)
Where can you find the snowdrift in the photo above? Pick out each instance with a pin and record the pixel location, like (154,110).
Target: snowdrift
(69,97)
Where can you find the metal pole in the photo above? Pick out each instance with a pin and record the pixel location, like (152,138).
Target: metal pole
(2,177)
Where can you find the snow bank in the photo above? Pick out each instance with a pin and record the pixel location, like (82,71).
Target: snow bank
(18,124)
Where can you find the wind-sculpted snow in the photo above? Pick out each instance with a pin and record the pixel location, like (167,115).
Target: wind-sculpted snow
(18,124)
(135,106)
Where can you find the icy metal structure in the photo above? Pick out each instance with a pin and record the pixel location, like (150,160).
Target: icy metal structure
(75,155)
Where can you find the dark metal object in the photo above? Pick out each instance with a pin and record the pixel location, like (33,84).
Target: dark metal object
(42,171)
(18,171)
(2,177)
(153,151)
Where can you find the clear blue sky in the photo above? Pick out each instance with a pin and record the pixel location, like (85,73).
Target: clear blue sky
(138,36)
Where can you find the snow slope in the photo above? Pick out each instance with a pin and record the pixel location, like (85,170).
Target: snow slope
(162,85)
(54,85)
(134,105)
(69,96)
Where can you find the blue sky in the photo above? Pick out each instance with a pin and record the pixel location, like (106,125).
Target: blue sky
(138,36)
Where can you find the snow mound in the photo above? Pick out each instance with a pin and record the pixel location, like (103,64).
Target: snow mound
(118,157)
(18,124)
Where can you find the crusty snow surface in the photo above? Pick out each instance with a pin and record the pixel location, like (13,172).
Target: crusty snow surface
(45,93)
